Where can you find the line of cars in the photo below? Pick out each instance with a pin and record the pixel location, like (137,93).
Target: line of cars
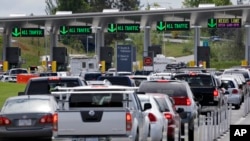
(165,104)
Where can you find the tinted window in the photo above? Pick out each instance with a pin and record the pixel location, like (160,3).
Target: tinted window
(196,80)
(169,88)
(45,86)
(227,84)
(17,71)
(96,100)
(27,105)
(91,76)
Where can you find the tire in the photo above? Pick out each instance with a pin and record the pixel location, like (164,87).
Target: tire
(190,134)
(237,107)
(137,137)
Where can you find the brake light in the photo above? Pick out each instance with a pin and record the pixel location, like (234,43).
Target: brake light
(152,117)
(46,119)
(248,83)
(53,78)
(216,93)
(162,80)
(4,121)
(169,117)
(128,121)
(234,91)
(182,101)
(55,122)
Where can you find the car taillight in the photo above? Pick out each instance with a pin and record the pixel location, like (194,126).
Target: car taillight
(216,93)
(46,119)
(55,122)
(182,101)
(128,121)
(169,117)
(234,91)
(4,121)
(152,117)
(248,83)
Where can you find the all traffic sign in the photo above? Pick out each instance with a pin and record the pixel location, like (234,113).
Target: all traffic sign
(148,61)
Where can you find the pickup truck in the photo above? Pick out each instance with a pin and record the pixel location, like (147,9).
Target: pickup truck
(99,113)
(206,89)
(44,85)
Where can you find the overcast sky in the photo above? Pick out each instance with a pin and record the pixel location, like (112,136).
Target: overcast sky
(37,7)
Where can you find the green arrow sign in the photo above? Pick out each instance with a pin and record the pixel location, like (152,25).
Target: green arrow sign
(160,26)
(63,30)
(112,28)
(211,23)
(16,32)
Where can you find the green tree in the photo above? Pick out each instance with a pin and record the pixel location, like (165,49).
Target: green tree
(195,3)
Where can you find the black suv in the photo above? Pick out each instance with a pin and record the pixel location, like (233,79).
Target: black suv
(206,89)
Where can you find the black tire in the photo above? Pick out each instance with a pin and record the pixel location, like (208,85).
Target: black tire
(237,107)
(137,137)
(190,134)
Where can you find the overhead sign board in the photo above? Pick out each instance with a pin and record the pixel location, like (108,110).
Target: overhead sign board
(130,28)
(224,23)
(75,30)
(172,25)
(27,32)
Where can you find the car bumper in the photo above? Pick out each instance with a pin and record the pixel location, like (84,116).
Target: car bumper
(234,99)
(46,133)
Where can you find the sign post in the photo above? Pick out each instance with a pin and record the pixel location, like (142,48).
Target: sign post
(124,58)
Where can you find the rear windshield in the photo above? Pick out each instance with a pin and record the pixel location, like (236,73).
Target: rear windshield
(27,105)
(227,84)
(91,76)
(196,80)
(96,100)
(46,86)
(119,80)
(172,89)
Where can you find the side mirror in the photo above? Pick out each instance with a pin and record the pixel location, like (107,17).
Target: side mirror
(180,110)
(147,106)
(20,93)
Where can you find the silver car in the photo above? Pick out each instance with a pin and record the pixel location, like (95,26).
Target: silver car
(28,116)
(233,93)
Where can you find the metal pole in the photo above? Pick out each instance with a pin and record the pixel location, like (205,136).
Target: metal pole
(87,46)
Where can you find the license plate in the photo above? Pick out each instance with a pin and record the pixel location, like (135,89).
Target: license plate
(86,139)
(24,122)
(91,139)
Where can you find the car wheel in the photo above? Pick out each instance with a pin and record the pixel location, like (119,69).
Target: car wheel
(137,136)
(237,106)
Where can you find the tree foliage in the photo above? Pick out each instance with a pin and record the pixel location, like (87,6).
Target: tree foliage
(195,3)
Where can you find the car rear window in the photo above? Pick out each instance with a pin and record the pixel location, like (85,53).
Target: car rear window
(27,105)
(173,89)
(196,80)
(46,86)
(91,76)
(96,100)
(227,84)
